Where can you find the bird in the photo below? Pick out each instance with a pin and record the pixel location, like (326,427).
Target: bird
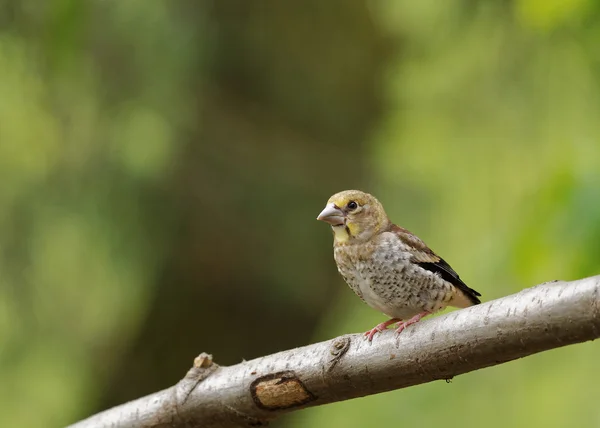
(389,268)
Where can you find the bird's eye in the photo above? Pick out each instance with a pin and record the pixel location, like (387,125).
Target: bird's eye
(352,205)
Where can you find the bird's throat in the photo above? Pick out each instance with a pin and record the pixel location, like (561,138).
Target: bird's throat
(341,233)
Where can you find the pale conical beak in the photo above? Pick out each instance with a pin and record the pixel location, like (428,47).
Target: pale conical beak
(332,215)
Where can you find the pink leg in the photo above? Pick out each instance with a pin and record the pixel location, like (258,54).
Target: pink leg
(413,320)
(380,327)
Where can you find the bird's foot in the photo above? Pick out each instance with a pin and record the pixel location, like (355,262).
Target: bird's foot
(413,320)
(380,327)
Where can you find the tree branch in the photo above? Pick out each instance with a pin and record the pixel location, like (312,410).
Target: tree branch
(251,393)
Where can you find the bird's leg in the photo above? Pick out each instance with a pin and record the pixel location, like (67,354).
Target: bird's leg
(380,327)
(413,320)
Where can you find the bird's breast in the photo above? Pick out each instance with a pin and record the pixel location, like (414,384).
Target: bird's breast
(384,277)
(375,278)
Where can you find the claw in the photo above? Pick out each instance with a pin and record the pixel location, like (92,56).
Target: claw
(413,320)
(379,328)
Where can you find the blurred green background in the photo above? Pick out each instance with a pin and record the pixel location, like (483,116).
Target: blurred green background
(162,164)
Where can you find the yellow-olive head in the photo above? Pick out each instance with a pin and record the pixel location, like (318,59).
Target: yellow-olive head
(354,215)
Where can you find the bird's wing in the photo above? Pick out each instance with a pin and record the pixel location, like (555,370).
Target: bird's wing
(427,259)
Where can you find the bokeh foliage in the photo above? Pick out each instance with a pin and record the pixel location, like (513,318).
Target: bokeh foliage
(161,165)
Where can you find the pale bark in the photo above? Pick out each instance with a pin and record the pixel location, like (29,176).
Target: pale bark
(251,393)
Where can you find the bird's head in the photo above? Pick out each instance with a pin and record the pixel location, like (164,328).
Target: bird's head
(354,215)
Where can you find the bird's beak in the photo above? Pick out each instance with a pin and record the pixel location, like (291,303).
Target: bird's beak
(332,215)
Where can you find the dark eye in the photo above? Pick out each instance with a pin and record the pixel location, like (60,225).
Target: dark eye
(352,205)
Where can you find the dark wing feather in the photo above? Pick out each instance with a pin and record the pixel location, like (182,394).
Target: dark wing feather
(427,259)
